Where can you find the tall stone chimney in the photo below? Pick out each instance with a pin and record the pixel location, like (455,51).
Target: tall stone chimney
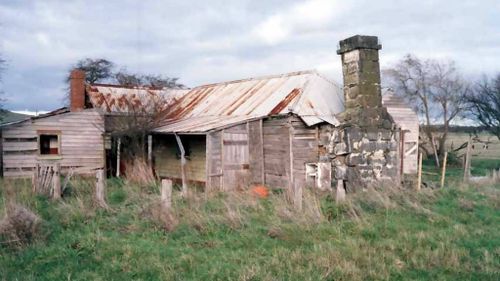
(77,90)
(361,70)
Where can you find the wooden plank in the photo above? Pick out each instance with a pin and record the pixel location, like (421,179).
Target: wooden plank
(419,176)
(56,182)
(118,157)
(208,163)
(290,147)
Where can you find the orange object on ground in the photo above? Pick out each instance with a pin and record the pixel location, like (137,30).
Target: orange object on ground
(260,191)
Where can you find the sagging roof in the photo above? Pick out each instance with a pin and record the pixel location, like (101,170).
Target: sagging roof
(307,94)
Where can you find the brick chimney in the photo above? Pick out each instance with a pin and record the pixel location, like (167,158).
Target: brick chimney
(77,90)
(361,70)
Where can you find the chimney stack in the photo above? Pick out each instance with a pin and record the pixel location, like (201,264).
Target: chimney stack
(361,70)
(77,90)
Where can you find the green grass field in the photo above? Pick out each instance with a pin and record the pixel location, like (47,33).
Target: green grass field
(447,234)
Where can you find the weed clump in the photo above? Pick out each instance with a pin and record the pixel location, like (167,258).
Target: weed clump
(19,226)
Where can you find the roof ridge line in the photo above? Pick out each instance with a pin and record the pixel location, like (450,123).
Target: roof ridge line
(288,74)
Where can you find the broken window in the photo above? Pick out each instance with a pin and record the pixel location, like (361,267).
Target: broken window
(49,144)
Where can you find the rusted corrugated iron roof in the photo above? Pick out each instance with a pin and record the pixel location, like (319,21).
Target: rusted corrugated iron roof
(307,94)
(117,99)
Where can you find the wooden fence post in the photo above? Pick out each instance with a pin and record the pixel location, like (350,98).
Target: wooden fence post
(419,177)
(100,189)
(443,173)
(467,161)
(340,196)
(297,195)
(118,154)
(56,182)
(166,194)
(150,151)
(36,178)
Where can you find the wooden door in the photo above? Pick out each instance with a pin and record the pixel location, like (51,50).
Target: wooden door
(236,172)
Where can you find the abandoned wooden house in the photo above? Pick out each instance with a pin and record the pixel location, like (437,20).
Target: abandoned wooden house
(283,130)
(77,137)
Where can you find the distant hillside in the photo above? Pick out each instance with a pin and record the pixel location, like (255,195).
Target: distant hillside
(9,116)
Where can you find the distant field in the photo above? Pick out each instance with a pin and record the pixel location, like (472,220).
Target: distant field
(479,150)
(448,234)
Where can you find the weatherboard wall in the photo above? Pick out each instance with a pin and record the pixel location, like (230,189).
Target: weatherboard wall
(81,143)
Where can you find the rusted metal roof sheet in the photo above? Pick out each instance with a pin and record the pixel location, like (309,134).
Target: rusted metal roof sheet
(204,108)
(117,99)
(307,94)
(201,125)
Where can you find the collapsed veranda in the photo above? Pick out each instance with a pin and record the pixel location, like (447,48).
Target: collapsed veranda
(284,130)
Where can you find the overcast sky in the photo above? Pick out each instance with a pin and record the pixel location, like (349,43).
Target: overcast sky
(211,41)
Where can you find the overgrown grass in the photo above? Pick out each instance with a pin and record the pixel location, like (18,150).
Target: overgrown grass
(454,173)
(448,234)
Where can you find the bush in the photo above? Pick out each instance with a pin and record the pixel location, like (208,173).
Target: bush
(19,226)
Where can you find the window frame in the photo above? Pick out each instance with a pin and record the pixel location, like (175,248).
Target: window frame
(57,133)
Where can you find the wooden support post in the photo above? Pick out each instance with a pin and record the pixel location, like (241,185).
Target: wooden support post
(291,179)
(340,195)
(166,194)
(419,176)
(261,143)
(467,161)
(443,172)
(101,189)
(183,166)
(56,182)
(402,153)
(208,162)
(118,152)
(150,151)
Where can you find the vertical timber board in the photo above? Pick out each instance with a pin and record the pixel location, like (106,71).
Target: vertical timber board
(263,172)
(235,157)
(1,155)
(276,152)
(214,160)
(305,147)
(290,140)
(208,163)
(223,175)
(255,152)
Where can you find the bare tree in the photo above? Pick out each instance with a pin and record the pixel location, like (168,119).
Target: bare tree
(96,70)
(449,91)
(484,104)
(127,79)
(435,89)
(2,67)
(124,78)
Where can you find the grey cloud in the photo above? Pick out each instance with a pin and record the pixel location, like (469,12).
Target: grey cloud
(209,41)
